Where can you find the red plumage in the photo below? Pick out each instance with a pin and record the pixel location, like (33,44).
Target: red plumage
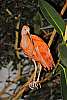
(35,48)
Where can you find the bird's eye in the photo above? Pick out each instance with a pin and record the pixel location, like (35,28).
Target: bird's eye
(25,29)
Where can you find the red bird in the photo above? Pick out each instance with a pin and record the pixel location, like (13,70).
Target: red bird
(36,49)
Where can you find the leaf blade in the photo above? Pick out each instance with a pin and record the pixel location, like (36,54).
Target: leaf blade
(52,16)
(63,54)
(63,84)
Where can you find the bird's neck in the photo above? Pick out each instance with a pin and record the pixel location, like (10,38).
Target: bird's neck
(25,40)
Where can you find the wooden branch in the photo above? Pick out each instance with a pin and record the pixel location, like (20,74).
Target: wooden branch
(9,12)
(25,87)
(22,88)
(16,40)
(64,8)
(51,38)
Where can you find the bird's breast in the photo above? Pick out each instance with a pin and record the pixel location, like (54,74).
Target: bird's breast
(27,46)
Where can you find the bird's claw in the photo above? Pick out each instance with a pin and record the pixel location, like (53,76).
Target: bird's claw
(34,85)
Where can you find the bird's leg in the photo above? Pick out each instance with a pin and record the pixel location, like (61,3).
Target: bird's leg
(33,84)
(35,70)
(40,67)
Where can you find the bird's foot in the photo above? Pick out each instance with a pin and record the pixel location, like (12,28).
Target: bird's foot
(34,85)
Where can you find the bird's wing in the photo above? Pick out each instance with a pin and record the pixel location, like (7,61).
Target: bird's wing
(42,51)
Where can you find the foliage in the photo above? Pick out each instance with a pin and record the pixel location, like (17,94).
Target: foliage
(63,54)
(31,12)
(54,18)
(37,22)
(63,82)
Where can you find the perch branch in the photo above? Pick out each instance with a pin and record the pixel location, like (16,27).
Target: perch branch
(16,40)
(64,8)
(22,88)
(25,87)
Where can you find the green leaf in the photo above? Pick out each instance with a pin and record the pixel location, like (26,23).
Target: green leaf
(63,54)
(37,22)
(63,84)
(65,36)
(52,16)
(65,72)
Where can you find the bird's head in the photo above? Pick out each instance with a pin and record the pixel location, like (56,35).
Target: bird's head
(25,30)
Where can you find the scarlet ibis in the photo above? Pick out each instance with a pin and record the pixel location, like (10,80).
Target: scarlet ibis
(36,49)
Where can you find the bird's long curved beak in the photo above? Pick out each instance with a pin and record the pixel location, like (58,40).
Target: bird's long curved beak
(28,32)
